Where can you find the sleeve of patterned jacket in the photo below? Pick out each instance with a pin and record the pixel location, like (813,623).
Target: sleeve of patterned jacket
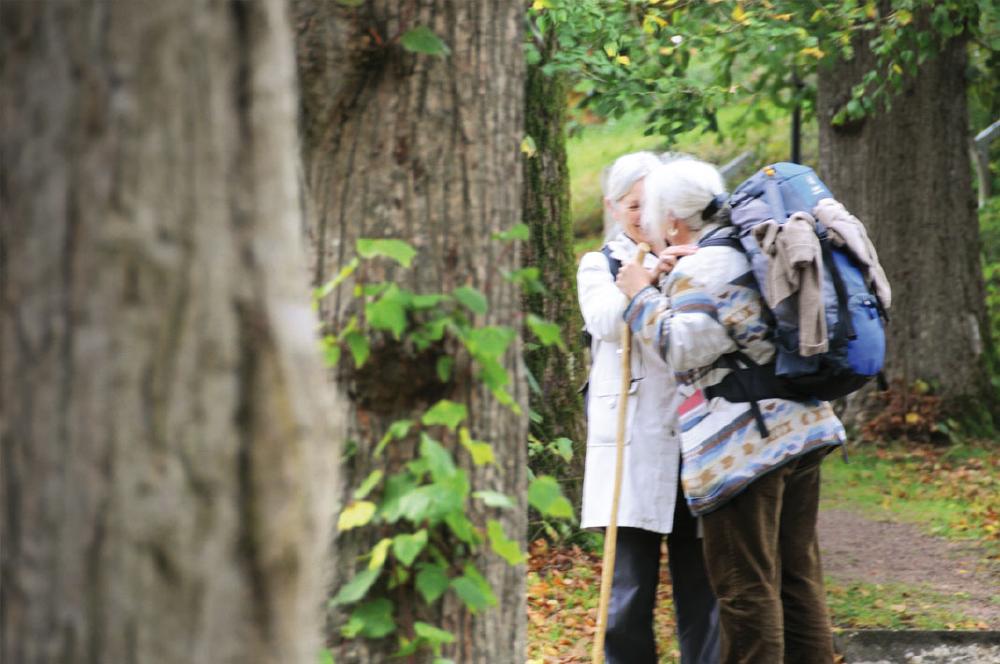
(703,317)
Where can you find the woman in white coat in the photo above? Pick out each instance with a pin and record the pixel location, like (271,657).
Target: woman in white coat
(651,504)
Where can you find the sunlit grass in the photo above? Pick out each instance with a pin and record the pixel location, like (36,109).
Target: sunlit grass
(860,605)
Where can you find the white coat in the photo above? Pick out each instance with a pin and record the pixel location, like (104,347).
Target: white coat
(652,446)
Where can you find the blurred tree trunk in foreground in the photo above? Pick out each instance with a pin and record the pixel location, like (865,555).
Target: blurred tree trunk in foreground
(906,174)
(164,493)
(422,148)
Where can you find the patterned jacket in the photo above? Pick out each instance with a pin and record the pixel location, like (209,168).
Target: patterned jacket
(712,306)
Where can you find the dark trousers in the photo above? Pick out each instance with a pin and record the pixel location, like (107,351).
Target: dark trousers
(762,554)
(629,638)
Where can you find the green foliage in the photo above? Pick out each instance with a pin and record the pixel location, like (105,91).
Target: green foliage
(545,496)
(420,509)
(422,39)
(680,62)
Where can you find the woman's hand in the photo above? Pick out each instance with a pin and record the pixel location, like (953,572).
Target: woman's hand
(672,254)
(632,278)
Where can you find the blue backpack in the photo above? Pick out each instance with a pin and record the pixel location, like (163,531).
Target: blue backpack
(854,316)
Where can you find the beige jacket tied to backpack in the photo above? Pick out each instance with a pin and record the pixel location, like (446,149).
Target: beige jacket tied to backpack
(847,231)
(796,262)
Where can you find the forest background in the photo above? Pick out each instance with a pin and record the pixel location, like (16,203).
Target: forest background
(183,422)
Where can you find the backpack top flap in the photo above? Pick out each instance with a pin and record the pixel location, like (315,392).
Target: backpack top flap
(784,188)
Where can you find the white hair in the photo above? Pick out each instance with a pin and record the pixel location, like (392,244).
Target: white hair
(679,189)
(619,179)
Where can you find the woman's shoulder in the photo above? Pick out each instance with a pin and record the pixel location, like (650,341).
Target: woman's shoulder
(713,264)
(594,260)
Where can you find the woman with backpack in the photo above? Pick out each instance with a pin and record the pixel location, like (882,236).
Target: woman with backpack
(750,473)
(651,504)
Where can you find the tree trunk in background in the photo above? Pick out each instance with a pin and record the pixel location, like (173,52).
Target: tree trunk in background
(165,496)
(558,372)
(424,149)
(905,173)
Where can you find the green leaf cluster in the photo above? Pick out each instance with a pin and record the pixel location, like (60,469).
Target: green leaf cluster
(423,507)
(681,61)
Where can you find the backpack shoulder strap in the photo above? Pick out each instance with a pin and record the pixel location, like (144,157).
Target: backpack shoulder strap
(613,263)
(730,241)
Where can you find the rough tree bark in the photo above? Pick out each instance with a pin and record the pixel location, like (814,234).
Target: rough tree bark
(905,172)
(165,495)
(424,149)
(559,372)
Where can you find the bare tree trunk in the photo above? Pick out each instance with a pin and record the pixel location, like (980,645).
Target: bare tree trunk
(165,491)
(559,372)
(424,149)
(905,172)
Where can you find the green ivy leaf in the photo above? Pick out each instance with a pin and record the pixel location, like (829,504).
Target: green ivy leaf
(548,333)
(462,527)
(359,347)
(443,367)
(445,413)
(398,429)
(431,581)
(406,647)
(545,496)
(434,636)
(433,502)
(422,39)
(372,620)
(472,299)
(331,351)
(379,553)
(474,590)
(482,453)
(416,505)
(528,279)
(325,656)
(564,448)
(528,147)
(439,460)
(495,499)
(370,482)
(489,342)
(397,250)
(494,375)
(356,588)
(396,488)
(504,547)
(407,547)
(389,311)
(398,576)
(427,301)
(358,513)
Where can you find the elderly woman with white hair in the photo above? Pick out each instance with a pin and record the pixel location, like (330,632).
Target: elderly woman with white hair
(750,472)
(651,504)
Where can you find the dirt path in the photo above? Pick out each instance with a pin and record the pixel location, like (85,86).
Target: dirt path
(858,548)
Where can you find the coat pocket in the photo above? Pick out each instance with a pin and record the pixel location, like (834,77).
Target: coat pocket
(602,412)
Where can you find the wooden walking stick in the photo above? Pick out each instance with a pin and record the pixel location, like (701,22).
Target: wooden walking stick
(611,534)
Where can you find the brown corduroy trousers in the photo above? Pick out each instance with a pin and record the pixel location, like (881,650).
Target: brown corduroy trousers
(762,555)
